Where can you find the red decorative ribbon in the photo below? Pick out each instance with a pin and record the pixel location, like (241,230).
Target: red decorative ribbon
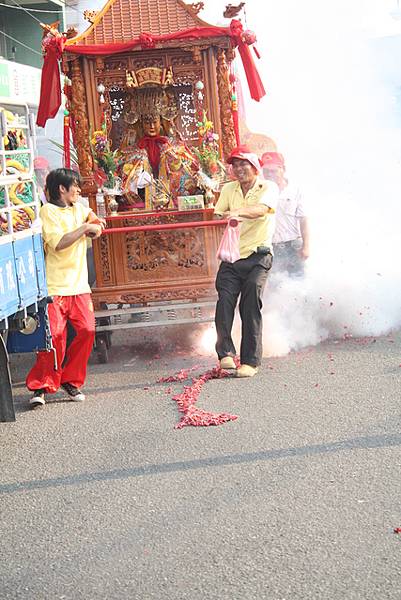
(146,40)
(254,81)
(50,86)
(67,147)
(50,93)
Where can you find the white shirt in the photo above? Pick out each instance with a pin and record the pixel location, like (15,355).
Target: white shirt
(289,212)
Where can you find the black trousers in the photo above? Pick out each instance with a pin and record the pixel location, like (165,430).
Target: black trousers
(286,258)
(246,278)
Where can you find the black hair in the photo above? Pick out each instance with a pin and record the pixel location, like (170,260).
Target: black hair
(57,177)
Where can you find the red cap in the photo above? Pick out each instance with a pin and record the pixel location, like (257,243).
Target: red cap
(272,159)
(41,163)
(244,153)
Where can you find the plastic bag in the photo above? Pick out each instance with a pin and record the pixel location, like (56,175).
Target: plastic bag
(228,250)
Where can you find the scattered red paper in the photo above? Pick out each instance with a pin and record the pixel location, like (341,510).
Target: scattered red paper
(182,375)
(397,530)
(186,401)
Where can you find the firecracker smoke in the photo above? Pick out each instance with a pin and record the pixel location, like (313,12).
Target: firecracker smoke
(332,110)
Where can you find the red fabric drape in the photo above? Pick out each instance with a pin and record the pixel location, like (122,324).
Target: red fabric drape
(153,145)
(254,81)
(50,95)
(50,87)
(147,40)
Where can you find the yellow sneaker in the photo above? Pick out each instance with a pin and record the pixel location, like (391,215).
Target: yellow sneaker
(227,363)
(246,371)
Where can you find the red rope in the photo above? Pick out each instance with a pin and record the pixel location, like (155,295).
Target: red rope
(164,226)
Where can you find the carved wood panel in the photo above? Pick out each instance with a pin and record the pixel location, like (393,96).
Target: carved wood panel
(226,118)
(79,113)
(165,254)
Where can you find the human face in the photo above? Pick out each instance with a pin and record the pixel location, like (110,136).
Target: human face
(151,126)
(243,171)
(70,196)
(275,174)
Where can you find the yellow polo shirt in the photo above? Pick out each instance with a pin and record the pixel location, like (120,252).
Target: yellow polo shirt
(254,232)
(66,270)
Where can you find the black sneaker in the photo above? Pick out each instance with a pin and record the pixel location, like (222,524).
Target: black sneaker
(74,393)
(38,399)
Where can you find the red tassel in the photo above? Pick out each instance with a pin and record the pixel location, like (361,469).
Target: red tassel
(236,126)
(67,149)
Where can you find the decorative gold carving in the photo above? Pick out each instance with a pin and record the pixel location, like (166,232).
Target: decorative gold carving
(99,64)
(65,64)
(149,76)
(105,258)
(116,64)
(226,118)
(188,77)
(196,55)
(71,33)
(183,59)
(232,11)
(143,63)
(112,80)
(90,15)
(197,7)
(79,115)
(230,54)
(164,295)
(147,251)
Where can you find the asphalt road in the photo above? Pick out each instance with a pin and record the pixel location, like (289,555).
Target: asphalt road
(297,499)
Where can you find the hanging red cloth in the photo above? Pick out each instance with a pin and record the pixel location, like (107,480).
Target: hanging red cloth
(256,87)
(153,146)
(50,86)
(50,94)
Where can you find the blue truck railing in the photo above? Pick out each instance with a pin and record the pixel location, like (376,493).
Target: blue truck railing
(23,291)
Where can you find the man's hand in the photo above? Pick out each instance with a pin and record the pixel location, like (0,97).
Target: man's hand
(93,231)
(95,220)
(232,213)
(304,253)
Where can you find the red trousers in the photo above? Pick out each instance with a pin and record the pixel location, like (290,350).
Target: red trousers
(79,311)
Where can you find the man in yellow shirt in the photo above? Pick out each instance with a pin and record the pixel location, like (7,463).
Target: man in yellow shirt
(253,201)
(66,225)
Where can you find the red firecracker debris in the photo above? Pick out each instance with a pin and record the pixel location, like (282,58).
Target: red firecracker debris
(182,375)
(186,401)
(397,530)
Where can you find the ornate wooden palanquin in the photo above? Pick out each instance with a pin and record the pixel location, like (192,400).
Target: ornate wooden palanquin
(148,266)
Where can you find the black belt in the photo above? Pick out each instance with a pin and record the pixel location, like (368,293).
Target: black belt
(297,244)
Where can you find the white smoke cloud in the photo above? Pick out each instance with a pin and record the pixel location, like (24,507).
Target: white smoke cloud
(332,110)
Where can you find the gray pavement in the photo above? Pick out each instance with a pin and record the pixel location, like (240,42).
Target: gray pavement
(297,499)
